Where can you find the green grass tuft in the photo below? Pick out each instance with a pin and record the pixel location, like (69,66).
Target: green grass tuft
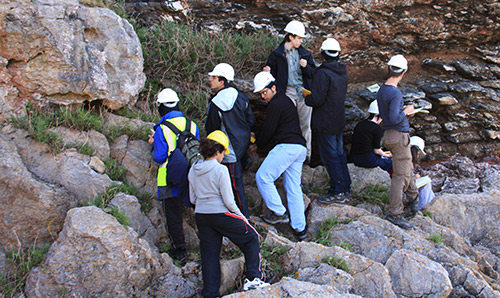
(323,234)
(338,263)
(438,239)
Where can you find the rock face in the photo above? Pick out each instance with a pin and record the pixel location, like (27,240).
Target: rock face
(94,249)
(64,52)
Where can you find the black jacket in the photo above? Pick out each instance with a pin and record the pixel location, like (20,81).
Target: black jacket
(282,123)
(329,89)
(279,66)
(231,108)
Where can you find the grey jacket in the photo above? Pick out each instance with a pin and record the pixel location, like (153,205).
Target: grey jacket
(210,188)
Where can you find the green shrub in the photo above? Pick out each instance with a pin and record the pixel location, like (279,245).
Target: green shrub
(270,256)
(119,215)
(78,119)
(19,264)
(346,246)
(435,238)
(374,194)
(323,234)
(338,263)
(426,213)
(114,170)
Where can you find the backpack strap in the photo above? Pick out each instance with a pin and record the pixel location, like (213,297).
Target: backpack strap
(188,125)
(172,127)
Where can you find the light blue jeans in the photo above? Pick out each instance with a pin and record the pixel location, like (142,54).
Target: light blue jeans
(286,159)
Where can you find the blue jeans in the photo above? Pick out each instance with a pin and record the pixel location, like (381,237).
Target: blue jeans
(286,159)
(372,160)
(331,150)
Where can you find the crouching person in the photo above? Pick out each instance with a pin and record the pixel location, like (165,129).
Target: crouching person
(217,215)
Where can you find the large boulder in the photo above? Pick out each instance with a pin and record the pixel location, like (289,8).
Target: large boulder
(32,211)
(95,256)
(65,52)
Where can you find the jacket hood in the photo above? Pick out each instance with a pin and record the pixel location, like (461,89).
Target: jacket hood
(335,66)
(202,167)
(225,98)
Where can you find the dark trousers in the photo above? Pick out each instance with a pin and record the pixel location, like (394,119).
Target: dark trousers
(331,150)
(372,160)
(236,173)
(211,228)
(172,208)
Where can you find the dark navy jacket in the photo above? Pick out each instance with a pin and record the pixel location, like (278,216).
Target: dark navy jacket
(279,66)
(231,109)
(329,89)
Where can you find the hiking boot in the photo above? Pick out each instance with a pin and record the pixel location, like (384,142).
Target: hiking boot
(180,254)
(414,206)
(256,283)
(301,236)
(274,219)
(328,199)
(400,222)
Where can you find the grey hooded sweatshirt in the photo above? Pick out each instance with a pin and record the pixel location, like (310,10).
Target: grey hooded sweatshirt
(210,188)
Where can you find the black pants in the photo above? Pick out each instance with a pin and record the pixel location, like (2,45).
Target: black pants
(172,207)
(236,174)
(211,228)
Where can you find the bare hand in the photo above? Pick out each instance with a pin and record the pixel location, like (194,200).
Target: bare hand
(266,68)
(408,109)
(151,139)
(252,148)
(303,62)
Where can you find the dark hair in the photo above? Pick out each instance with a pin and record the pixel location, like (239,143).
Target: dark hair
(270,85)
(226,82)
(392,73)
(209,148)
(414,154)
(328,57)
(163,109)
(372,115)
(287,37)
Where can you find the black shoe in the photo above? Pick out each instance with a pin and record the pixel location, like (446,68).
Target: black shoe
(301,236)
(180,254)
(274,219)
(400,221)
(328,199)
(414,206)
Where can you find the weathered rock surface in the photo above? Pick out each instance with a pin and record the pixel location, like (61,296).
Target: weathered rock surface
(95,256)
(65,52)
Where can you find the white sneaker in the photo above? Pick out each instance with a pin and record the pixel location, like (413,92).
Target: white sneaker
(256,283)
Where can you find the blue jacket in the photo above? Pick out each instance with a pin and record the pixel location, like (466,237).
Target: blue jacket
(391,105)
(279,66)
(327,99)
(176,175)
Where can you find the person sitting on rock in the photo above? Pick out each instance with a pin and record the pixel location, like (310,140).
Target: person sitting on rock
(366,149)
(281,131)
(217,215)
(425,193)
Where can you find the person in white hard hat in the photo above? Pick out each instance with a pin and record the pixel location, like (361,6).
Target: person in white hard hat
(230,111)
(366,151)
(425,193)
(329,87)
(396,139)
(281,131)
(293,67)
(172,180)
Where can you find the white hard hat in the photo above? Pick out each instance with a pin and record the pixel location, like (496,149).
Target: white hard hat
(223,70)
(331,46)
(261,80)
(373,108)
(296,28)
(168,97)
(399,62)
(419,142)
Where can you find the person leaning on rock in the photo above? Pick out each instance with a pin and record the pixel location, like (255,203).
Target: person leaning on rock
(396,139)
(281,130)
(172,180)
(229,110)
(329,87)
(293,66)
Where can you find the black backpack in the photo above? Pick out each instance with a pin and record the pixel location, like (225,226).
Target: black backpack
(187,143)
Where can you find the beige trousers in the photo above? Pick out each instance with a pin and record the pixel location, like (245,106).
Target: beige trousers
(403,188)
(304,113)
